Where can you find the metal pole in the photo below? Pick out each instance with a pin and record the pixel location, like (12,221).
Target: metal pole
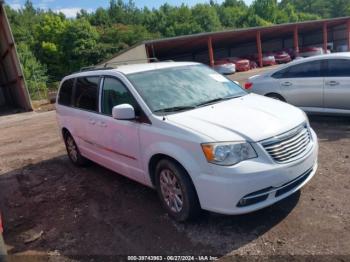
(259,48)
(210,51)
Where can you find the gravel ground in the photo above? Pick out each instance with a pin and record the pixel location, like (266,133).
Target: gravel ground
(51,207)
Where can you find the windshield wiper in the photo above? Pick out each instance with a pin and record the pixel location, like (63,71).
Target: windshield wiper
(175,109)
(216,100)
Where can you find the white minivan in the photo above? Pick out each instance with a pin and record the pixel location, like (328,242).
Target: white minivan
(189,132)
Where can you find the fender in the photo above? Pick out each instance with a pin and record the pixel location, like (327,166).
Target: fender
(172,150)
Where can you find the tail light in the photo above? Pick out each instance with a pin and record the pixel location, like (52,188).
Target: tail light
(248,85)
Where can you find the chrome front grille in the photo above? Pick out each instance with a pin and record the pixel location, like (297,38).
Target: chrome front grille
(290,145)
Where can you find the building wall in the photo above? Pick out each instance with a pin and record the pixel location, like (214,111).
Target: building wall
(137,53)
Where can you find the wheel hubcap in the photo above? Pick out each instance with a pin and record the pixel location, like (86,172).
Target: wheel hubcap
(171,190)
(72,149)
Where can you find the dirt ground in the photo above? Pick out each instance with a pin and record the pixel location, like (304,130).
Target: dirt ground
(51,207)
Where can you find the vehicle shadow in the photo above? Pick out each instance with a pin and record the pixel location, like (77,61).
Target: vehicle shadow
(55,206)
(330,128)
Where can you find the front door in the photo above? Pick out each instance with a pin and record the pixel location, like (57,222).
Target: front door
(337,84)
(302,84)
(120,137)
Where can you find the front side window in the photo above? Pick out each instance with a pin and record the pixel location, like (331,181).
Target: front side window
(86,93)
(66,91)
(183,87)
(303,70)
(114,93)
(338,67)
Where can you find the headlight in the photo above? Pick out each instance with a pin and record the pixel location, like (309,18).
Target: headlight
(228,153)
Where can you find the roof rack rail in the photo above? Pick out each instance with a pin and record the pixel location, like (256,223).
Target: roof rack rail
(151,59)
(94,68)
(87,68)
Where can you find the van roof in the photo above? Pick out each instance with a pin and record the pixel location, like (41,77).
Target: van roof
(134,68)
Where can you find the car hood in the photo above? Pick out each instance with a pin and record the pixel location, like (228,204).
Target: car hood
(251,117)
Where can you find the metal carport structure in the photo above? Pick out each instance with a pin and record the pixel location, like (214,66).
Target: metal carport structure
(13,90)
(206,47)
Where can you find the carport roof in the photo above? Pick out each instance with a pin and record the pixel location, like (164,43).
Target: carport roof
(197,42)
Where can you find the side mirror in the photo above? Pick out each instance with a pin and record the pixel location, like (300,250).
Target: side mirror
(123,112)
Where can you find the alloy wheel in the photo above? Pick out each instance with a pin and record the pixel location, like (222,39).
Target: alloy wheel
(72,149)
(171,190)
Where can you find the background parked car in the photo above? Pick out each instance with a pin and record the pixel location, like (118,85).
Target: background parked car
(224,67)
(242,64)
(291,52)
(315,84)
(311,51)
(282,57)
(268,59)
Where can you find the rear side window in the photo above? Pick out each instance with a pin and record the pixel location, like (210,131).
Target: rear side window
(338,67)
(66,91)
(115,93)
(280,74)
(86,93)
(308,69)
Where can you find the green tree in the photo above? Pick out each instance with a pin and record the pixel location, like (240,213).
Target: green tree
(265,9)
(286,14)
(206,17)
(49,33)
(34,72)
(232,16)
(79,43)
(234,3)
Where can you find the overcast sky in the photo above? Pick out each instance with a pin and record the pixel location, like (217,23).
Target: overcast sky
(70,8)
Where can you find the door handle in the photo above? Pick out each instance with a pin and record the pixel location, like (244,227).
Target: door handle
(332,83)
(286,84)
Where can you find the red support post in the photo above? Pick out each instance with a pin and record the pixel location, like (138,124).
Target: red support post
(259,48)
(210,51)
(348,34)
(325,37)
(296,41)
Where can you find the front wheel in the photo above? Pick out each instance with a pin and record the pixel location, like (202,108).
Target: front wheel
(73,151)
(176,191)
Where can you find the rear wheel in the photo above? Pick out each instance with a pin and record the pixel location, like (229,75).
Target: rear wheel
(276,96)
(73,151)
(176,191)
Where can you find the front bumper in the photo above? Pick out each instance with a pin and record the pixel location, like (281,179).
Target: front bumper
(226,189)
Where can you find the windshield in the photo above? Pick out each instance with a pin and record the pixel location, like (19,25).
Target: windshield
(183,88)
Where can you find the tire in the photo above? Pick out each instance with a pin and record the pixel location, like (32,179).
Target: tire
(276,96)
(178,195)
(73,151)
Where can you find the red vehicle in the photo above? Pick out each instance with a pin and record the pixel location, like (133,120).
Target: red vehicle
(242,64)
(282,57)
(2,243)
